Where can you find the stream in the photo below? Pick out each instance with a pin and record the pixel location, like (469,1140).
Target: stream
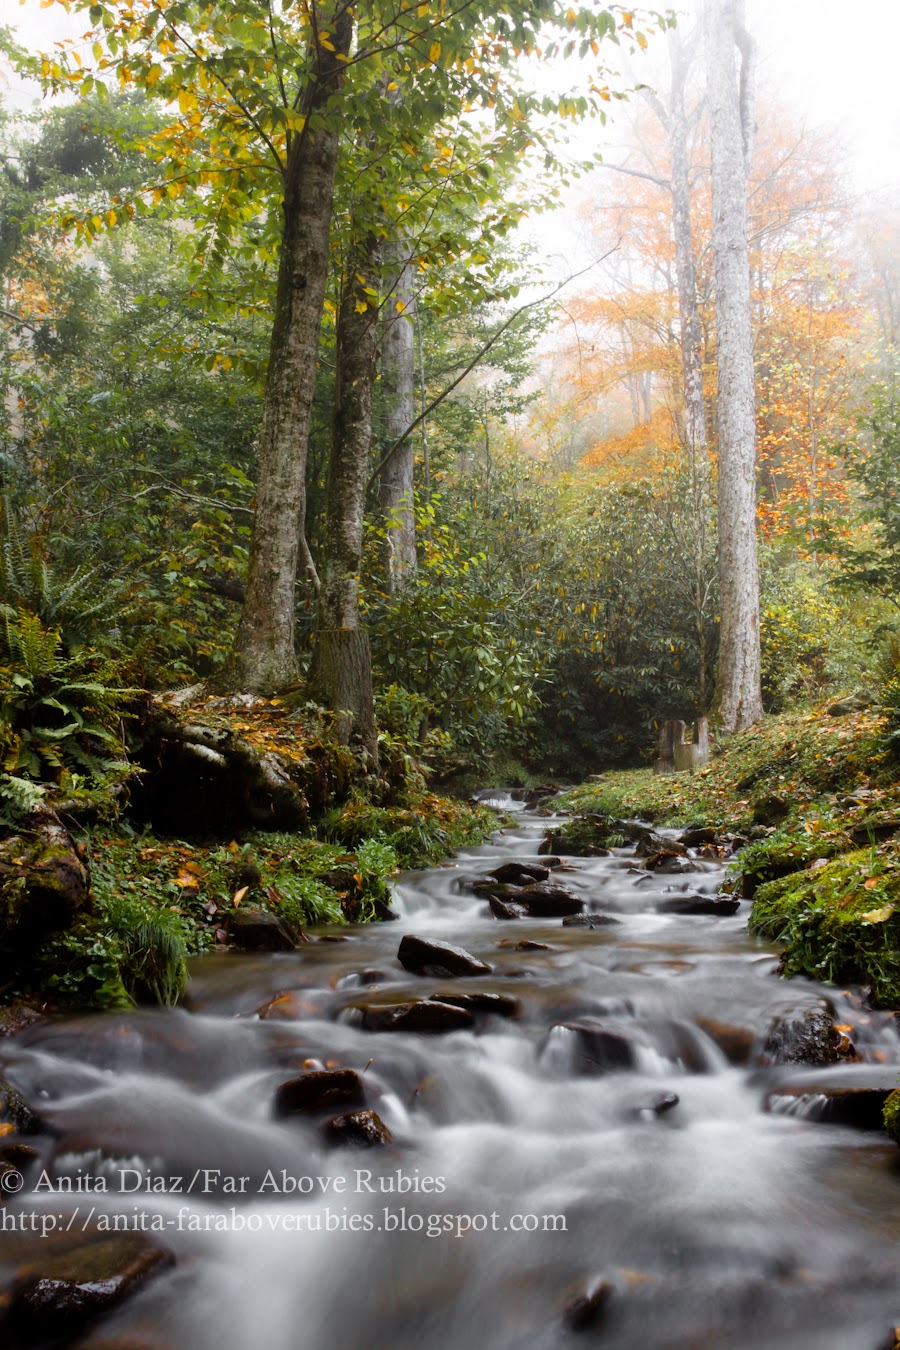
(623,1161)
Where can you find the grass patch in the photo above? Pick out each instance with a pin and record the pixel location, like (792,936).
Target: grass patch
(815,797)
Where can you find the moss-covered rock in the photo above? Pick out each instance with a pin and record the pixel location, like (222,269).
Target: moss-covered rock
(839,921)
(44,884)
(891,1116)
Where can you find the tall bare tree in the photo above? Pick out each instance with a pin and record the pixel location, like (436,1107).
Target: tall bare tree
(730,65)
(396,485)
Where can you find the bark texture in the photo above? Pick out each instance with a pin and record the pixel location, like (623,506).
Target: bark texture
(264,657)
(396,484)
(343,675)
(691,345)
(729,69)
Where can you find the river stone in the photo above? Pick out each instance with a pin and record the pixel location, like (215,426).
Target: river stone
(325,1090)
(17,1017)
(670,864)
(56,1294)
(528,945)
(634,830)
(255,930)
(14,1110)
(719,905)
(600,1050)
(859,1107)
(424,956)
(666,1101)
(501,910)
(735,1042)
(803,1036)
(589,921)
(501,1005)
(704,834)
(658,846)
(358,1129)
(546,900)
(427,1016)
(587,1310)
(519,874)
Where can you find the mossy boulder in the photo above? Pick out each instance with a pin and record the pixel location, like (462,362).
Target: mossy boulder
(44,883)
(839,921)
(891,1116)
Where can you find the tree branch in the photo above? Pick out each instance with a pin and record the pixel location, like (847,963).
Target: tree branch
(482,351)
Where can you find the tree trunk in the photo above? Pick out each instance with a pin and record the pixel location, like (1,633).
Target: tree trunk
(396,484)
(739,697)
(691,345)
(264,658)
(343,674)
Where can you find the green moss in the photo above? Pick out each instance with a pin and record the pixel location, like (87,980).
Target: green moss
(839,922)
(891,1116)
(801,757)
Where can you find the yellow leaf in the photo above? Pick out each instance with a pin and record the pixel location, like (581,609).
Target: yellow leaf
(153,73)
(361,306)
(871,883)
(878,915)
(7,1128)
(435,52)
(392,86)
(239,895)
(641,41)
(400,307)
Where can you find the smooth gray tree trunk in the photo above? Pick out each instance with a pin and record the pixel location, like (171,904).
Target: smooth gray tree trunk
(691,345)
(342,667)
(729,73)
(264,657)
(396,480)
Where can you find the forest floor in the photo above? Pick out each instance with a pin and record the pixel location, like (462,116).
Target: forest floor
(238,822)
(814,799)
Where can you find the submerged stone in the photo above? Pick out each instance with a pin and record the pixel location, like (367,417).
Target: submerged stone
(57,1293)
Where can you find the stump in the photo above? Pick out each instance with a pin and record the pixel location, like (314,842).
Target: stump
(675,753)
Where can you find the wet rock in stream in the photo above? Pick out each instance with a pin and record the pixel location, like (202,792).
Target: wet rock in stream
(15,1111)
(587,1310)
(696,838)
(519,874)
(255,930)
(804,1036)
(546,900)
(16,1018)
(859,1107)
(59,1292)
(498,1005)
(501,910)
(426,1016)
(589,921)
(325,1090)
(423,956)
(357,1129)
(719,905)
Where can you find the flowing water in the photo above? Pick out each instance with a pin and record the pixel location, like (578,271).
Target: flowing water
(528,1166)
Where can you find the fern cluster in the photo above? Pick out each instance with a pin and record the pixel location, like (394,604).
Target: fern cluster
(60,700)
